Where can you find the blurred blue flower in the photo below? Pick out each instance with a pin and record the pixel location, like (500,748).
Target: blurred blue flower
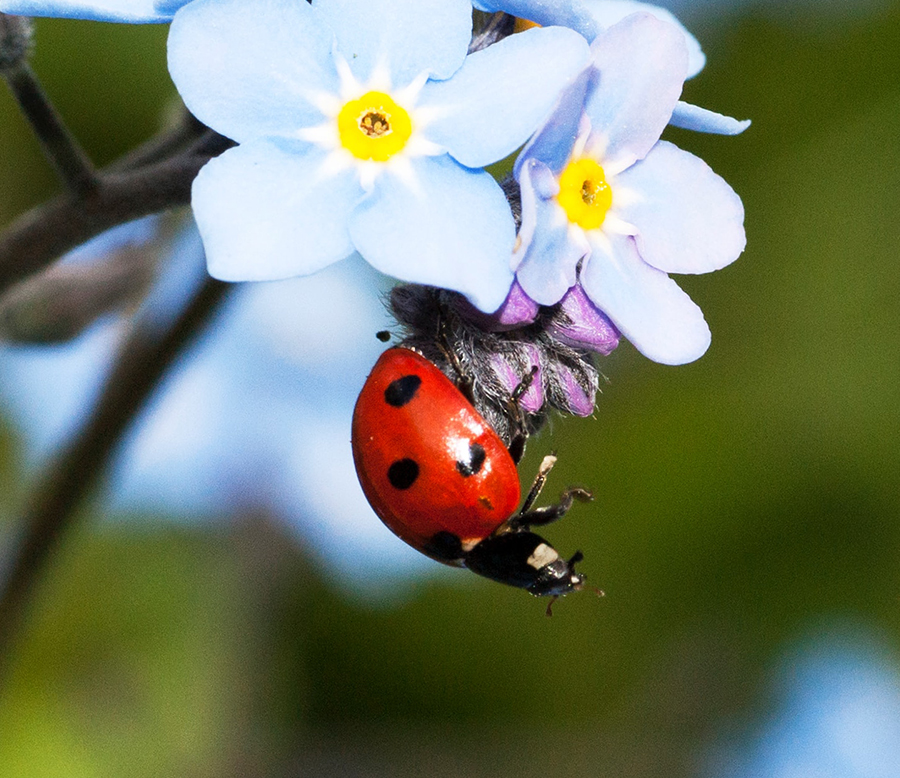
(127,11)
(48,415)
(602,193)
(254,417)
(591,17)
(362,126)
(838,716)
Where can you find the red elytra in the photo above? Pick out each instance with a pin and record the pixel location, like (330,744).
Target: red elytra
(426,459)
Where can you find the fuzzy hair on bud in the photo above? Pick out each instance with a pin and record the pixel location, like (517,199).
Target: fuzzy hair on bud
(493,361)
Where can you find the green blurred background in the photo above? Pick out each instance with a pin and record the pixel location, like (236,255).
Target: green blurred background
(744,502)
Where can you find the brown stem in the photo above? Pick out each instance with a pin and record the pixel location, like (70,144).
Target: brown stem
(187,130)
(59,145)
(38,237)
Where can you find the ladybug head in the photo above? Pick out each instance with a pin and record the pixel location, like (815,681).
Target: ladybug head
(558,577)
(527,561)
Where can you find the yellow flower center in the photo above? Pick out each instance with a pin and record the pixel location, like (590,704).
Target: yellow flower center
(584,194)
(373,127)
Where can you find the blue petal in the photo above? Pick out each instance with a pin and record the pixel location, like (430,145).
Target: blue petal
(591,17)
(646,306)
(129,11)
(450,227)
(501,94)
(266,214)
(689,219)
(642,63)
(563,13)
(408,37)
(549,248)
(170,6)
(692,117)
(248,69)
(609,12)
(552,143)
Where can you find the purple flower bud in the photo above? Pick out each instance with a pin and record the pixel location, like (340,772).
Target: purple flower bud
(511,372)
(579,401)
(583,325)
(518,310)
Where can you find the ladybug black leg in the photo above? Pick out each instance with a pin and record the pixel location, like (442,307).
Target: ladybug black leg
(547,515)
(540,479)
(517,448)
(526,517)
(524,385)
(517,444)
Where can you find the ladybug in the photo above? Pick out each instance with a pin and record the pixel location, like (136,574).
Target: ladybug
(440,478)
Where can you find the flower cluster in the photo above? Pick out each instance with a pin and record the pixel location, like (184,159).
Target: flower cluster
(606,204)
(366,127)
(362,126)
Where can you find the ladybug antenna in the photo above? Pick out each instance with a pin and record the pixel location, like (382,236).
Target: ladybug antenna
(383,335)
(549,611)
(576,558)
(578,578)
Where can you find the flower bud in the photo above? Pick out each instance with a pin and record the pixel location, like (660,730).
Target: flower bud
(552,347)
(512,367)
(60,303)
(518,310)
(575,389)
(580,324)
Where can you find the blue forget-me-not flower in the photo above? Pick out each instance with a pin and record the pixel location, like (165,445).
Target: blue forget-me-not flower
(607,204)
(362,126)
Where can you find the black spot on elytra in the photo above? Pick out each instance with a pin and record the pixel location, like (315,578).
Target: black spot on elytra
(402,390)
(473,461)
(403,473)
(444,545)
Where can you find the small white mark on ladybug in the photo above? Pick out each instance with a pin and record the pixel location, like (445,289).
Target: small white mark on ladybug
(542,556)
